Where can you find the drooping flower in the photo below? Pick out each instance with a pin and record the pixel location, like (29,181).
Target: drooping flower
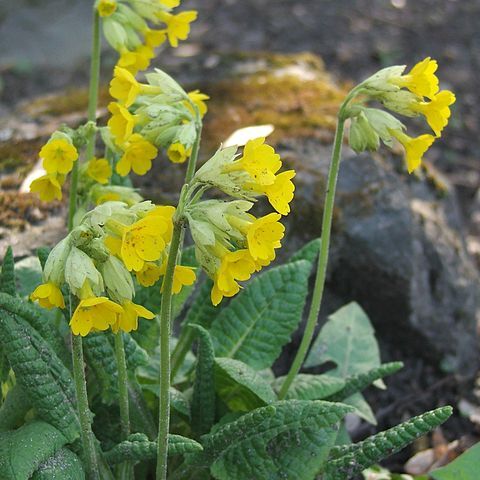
(138,156)
(106,7)
(264,236)
(421,80)
(58,156)
(136,60)
(48,187)
(178,26)
(94,313)
(182,276)
(149,274)
(128,319)
(155,38)
(437,111)
(48,296)
(121,122)
(177,153)
(99,169)
(415,148)
(199,99)
(124,87)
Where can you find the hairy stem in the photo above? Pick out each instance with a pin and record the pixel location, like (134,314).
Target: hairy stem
(166,316)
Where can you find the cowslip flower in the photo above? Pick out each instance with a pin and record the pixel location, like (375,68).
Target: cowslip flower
(437,111)
(149,274)
(155,38)
(48,187)
(178,26)
(58,156)
(415,148)
(199,99)
(177,153)
(106,8)
(138,156)
(48,296)
(259,160)
(99,169)
(94,313)
(128,319)
(182,276)
(421,80)
(136,60)
(121,123)
(264,236)
(124,87)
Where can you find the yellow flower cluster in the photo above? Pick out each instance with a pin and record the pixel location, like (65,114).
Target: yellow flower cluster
(135,28)
(412,94)
(58,156)
(231,244)
(97,259)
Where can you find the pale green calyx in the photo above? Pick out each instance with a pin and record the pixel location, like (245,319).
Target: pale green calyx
(118,281)
(55,265)
(380,81)
(80,268)
(362,136)
(168,85)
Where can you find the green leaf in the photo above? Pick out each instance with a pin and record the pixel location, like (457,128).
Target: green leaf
(464,467)
(202,312)
(139,448)
(14,408)
(22,451)
(307,386)
(308,252)
(348,460)
(241,387)
(348,340)
(7,275)
(64,465)
(288,439)
(260,320)
(203,398)
(39,371)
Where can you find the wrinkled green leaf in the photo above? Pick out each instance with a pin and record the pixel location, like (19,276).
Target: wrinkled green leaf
(310,387)
(241,387)
(7,274)
(464,467)
(14,408)
(260,319)
(64,465)
(308,252)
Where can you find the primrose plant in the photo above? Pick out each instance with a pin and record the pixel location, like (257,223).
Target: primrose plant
(93,378)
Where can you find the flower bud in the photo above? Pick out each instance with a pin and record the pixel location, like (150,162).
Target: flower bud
(79,268)
(362,136)
(118,281)
(115,33)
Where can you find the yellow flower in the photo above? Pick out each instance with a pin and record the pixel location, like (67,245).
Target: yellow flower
(121,122)
(99,169)
(165,212)
(138,156)
(155,38)
(143,241)
(177,153)
(259,160)
(437,111)
(170,3)
(113,244)
(107,197)
(94,313)
(178,26)
(137,60)
(128,319)
(238,265)
(106,7)
(48,187)
(198,98)
(421,79)
(48,296)
(123,86)
(149,274)
(182,276)
(414,148)
(58,156)
(264,235)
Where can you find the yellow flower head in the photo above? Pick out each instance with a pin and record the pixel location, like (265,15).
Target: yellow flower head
(99,169)
(121,122)
(94,313)
(421,80)
(264,236)
(149,274)
(182,276)
(259,160)
(165,212)
(237,265)
(143,241)
(437,111)
(138,156)
(48,296)
(170,3)
(48,187)
(128,319)
(58,156)
(198,98)
(415,148)
(178,26)
(155,38)
(177,153)
(106,7)
(124,87)
(137,60)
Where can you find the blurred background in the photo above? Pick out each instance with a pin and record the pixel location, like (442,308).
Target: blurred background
(407,248)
